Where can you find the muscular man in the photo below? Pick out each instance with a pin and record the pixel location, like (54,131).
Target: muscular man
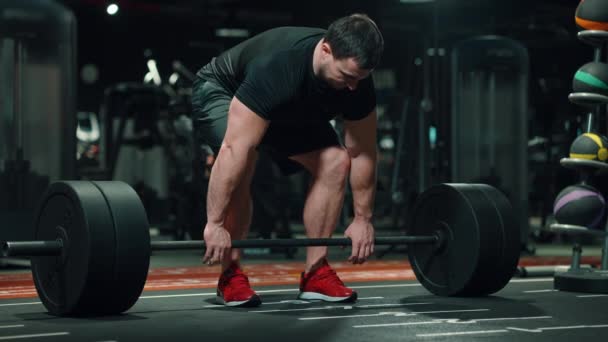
(278,91)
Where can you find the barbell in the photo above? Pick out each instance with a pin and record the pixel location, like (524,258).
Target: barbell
(92,250)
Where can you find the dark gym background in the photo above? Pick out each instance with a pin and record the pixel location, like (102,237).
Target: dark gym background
(112,125)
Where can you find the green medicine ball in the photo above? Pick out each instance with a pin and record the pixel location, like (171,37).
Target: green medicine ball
(592,15)
(589,146)
(591,78)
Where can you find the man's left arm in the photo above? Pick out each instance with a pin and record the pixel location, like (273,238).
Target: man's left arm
(360,141)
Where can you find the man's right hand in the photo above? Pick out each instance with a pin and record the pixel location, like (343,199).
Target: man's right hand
(218,242)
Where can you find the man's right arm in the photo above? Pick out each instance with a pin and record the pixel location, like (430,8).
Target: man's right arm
(244,132)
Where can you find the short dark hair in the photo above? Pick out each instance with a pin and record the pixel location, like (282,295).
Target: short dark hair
(356,36)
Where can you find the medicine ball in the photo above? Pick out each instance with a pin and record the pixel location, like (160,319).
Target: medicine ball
(589,146)
(580,205)
(591,78)
(592,15)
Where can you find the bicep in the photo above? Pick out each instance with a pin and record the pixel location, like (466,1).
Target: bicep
(360,135)
(245,128)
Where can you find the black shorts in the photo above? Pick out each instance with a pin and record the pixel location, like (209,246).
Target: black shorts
(210,103)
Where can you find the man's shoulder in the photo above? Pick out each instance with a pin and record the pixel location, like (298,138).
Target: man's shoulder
(289,45)
(294,30)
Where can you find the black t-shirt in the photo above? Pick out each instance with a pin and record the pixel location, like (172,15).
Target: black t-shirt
(272,74)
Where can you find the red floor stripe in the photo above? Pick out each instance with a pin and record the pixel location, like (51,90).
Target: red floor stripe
(20,285)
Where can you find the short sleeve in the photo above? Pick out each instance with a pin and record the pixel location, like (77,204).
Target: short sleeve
(266,86)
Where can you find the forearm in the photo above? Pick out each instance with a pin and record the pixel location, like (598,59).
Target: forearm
(228,170)
(363,184)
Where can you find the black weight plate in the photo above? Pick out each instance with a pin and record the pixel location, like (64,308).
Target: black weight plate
(491,250)
(510,247)
(461,212)
(493,229)
(75,282)
(132,250)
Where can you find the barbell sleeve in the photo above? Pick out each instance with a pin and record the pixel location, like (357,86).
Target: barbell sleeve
(31,248)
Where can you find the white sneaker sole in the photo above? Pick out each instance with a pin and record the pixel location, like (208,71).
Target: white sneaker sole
(319,296)
(253,301)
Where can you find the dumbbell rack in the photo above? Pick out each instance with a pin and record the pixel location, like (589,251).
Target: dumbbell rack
(577,279)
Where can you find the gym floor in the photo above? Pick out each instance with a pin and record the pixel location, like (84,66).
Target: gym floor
(178,304)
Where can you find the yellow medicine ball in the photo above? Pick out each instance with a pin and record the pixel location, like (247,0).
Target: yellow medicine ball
(589,146)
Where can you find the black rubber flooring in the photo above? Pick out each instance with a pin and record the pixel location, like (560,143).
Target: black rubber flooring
(526,310)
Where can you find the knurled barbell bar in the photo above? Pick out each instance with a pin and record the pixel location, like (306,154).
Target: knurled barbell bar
(92,248)
(55,247)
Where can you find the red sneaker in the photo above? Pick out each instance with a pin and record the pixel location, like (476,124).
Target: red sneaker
(324,284)
(233,289)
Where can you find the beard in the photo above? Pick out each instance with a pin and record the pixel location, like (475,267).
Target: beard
(325,81)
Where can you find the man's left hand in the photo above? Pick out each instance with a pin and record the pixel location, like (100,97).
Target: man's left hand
(361,233)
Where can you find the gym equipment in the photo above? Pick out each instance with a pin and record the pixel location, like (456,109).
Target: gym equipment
(489,143)
(37,88)
(579,279)
(592,101)
(590,87)
(580,205)
(589,146)
(591,78)
(592,15)
(93,246)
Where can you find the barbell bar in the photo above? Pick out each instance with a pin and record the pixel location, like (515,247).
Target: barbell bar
(55,247)
(92,249)
(310,242)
